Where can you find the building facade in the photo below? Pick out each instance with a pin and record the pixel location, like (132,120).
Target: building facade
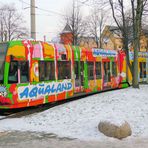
(66,37)
(112,39)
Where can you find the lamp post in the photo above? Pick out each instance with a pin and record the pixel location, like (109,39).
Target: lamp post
(33,25)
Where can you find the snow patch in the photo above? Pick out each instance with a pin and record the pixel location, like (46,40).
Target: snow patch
(80,118)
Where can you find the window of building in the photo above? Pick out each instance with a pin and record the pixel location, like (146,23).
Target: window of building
(24,71)
(64,70)
(114,69)
(13,72)
(90,70)
(142,69)
(98,70)
(46,70)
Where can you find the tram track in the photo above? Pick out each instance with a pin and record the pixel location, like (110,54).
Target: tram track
(18,113)
(31,110)
(26,111)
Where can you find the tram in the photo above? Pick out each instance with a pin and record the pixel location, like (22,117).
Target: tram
(35,72)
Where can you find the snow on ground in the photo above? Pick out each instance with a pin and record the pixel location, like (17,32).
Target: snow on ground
(80,118)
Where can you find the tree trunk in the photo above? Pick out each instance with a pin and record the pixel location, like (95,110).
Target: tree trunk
(137,28)
(135,71)
(128,64)
(127,55)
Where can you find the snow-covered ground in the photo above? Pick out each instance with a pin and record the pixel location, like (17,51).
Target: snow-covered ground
(80,118)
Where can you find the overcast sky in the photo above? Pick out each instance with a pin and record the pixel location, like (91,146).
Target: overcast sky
(49,22)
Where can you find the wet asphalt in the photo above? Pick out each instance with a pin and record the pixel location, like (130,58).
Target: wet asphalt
(41,140)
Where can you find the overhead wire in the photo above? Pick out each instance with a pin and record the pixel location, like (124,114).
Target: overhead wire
(101,4)
(85,3)
(45,10)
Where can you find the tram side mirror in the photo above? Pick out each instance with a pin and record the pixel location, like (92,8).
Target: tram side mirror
(63,56)
(19,65)
(11,58)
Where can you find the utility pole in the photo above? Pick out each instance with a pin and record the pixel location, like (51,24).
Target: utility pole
(44,38)
(33,25)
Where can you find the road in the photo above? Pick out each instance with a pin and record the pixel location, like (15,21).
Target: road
(40,140)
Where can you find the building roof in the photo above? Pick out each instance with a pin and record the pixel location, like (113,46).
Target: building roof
(145,31)
(67,29)
(112,28)
(115,30)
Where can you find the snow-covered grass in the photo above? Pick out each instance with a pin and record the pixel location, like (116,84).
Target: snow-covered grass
(80,118)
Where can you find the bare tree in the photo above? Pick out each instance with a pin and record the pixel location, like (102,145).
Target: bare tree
(95,24)
(11,24)
(75,21)
(137,13)
(119,15)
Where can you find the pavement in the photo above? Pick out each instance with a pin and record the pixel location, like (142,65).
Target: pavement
(42,140)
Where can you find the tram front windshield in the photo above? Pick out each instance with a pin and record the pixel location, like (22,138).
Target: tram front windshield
(3,49)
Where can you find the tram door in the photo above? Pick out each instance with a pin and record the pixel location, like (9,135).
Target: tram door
(82,73)
(142,66)
(79,75)
(107,73)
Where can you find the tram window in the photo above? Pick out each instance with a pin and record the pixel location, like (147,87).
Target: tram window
(64,70)
(50,70)
(90,70)
(76,70)
(114,69)
(98,70)
(142,69)
(13,72)
(106,71)
(46,70)
(24,70)
(42,70)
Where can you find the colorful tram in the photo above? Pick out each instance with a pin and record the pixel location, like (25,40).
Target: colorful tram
(34,72)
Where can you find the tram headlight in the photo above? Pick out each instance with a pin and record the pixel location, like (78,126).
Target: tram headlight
(3,91)
(3,94)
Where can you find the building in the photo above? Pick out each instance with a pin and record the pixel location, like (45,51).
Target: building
(144,40)
(87,42)
(111,38)
(83,41)
(66,35)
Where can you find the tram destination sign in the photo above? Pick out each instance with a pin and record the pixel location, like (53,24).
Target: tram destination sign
(102,52)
